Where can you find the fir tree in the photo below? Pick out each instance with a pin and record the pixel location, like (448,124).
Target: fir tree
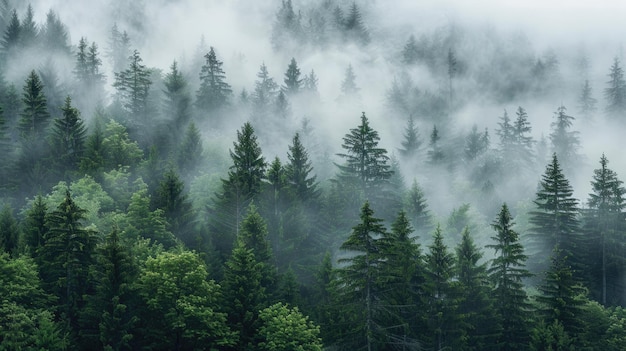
(54,34)
(118,49)
(435,153)
(310,83)
(265,93)
(349,88)
(507,272)
(11,38)
(354,28)
(214,92)
(177,102)
(29,31)
(171,198)
(9,231)
(190,151)
(410,51)
(133,85)
(476,144)
(417,209)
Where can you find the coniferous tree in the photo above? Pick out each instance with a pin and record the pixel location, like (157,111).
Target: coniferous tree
(366,166)
(264,95)
(475,303)
(244,294)
(292,82)
(417,209)
(444,324)
(177,102)
(555,220)
(11,38)
(411,143)
(190,151)
(118,49)
(287,28)
(54,35)
(93,161)
(523,140)
(452,71)
(298,172)
(66,256)
(507,271)
(309,84)
(435,153)
(603,224)
(506,133)
(68,138)
(239,189)
(476,144)
(349,89)
(133,85)
(29,31)
(410,51)
(35,227)
(586,102)
(214,92)
(358,276)
(561,297)
(171,198)
(353,26)
(565,142)
(6,154)
(615,93)
(34,117)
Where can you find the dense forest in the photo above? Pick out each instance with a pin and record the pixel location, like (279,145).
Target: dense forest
(366,185)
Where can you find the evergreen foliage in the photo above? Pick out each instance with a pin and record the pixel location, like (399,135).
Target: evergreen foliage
(214,92)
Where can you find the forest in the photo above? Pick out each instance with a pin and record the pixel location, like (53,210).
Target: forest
(305,175)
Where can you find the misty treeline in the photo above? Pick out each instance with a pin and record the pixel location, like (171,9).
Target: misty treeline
(127,224)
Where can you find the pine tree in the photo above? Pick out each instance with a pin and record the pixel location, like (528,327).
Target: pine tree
(555,220)
(365,162)
(358,276)
(411,143)
(214,92)
(34,117)
(615,93)
(68,138)
(292,82)
(565,143)
(507,271)
(604,228)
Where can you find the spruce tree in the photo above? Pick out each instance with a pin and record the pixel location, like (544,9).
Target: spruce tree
(9,231)
(11,38)
(615,93)
(436,155)
(410,51)
(68,138)
(34,117)
(359,275)
(177,209)
(214,92)
(298,172)
(66,256)
(416,209)
(586,102)
(133,85)
(353,26)
(366,163)
(444,324)
(411,143)
(29,31)
(264,94)
(507,272)
(349,88)
(177,102)
(603,225)
(555,220)
(239,189)
(190,152)
(54,34)
(565,142)
(292,82)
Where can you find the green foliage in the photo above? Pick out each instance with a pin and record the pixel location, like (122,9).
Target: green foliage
(35,116)
(285,328)
(214,92)
(68,137)
(177,209)
(181,304)
(9,230)
(120,149)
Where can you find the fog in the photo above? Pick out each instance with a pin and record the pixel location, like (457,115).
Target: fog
(240,32)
